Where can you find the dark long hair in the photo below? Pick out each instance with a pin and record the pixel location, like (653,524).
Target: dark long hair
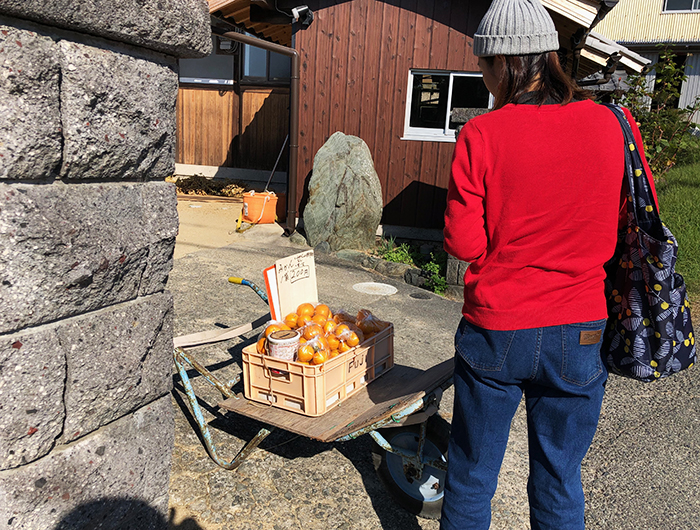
(540,73)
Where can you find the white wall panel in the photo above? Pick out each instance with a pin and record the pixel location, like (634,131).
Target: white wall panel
(691,86)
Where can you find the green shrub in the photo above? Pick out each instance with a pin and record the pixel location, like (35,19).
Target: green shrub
(400,254)
(434,265)
(664,127)
(436,270)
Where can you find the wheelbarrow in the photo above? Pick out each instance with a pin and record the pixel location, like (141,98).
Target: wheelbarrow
(400,414)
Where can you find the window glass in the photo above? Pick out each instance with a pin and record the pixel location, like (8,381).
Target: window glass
(682,5)
(212,69)
(254,62)
(429,100)
(280,66)
(468,92)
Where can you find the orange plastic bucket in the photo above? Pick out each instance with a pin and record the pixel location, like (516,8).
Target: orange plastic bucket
(259,208)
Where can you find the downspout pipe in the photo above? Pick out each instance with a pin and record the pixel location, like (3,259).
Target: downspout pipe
(293,117)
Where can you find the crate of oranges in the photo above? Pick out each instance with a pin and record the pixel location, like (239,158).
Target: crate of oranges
(335,355)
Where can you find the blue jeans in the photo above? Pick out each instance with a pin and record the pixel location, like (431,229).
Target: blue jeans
(563,381)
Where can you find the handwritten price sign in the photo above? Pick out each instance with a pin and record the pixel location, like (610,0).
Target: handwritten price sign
(296,281)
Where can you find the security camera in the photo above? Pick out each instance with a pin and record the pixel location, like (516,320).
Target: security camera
(303,15)
(298,11)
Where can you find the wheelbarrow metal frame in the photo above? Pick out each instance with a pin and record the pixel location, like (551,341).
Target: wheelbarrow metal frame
(428,404)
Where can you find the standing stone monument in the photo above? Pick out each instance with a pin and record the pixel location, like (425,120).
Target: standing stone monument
(345,195)
(87,232)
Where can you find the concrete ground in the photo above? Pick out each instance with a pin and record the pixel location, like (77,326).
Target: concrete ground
(641,472)
(206,223)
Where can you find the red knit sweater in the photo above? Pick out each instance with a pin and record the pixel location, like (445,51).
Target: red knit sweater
(534,204)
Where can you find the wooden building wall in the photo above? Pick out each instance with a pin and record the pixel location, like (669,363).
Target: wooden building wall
(207,123)
(356,58)
(644,22)
(243,127)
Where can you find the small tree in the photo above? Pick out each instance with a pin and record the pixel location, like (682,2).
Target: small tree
(665,128)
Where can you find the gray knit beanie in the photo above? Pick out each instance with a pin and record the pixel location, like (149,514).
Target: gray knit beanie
(515,27)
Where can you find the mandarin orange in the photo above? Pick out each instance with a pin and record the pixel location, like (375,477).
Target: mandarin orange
(333,341)
(322,342)
(340,329)
(322,310)
(305,353)
(312,330)
(275,326)
(319,319)
(305,309)
(291,320)
(353,340)
(320,357)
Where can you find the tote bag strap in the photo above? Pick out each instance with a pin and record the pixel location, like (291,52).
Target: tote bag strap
(640,200)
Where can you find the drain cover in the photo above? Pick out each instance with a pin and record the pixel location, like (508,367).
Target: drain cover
(379,289)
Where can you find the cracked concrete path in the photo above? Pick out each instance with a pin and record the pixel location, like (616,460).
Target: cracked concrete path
(641,471)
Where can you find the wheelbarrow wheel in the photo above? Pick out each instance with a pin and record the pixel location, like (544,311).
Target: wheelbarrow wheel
(422,497)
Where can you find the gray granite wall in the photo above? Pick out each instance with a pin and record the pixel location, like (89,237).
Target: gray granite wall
(87,231)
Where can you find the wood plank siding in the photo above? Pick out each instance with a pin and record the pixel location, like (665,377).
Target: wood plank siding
(355,62)
(232,128)
(207,123)
(264,125)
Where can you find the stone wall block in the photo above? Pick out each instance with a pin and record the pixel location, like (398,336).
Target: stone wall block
(67,249)
(118,113)
(158,266)
(160,210)
(177,27)
(32,379)
(456,270)
(160,214)
(118,358)
(104,480)
(30,127)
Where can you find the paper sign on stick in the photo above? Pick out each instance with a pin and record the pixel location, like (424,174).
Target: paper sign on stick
(296,281)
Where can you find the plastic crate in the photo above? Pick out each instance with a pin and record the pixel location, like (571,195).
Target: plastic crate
(312,390)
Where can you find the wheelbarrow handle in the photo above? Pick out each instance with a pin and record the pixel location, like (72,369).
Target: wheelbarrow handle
(180,359)
(243,281)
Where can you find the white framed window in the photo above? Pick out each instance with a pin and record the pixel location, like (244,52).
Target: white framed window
(430,98)
(216,69)
(681,5)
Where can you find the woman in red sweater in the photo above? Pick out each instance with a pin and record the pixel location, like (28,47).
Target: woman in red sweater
(533,204)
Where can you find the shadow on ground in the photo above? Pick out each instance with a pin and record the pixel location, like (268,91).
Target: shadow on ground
(290,446)
(121,514)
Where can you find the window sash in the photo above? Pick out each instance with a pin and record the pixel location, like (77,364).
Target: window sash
(270,76)
(670,6)
(444,134)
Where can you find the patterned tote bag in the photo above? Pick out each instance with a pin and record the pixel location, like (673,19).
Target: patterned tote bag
(649,334)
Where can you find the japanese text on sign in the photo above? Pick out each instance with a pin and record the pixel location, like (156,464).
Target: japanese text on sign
(296,280)
(293,272)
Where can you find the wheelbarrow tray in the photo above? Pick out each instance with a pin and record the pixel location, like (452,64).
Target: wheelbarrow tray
(390,394)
